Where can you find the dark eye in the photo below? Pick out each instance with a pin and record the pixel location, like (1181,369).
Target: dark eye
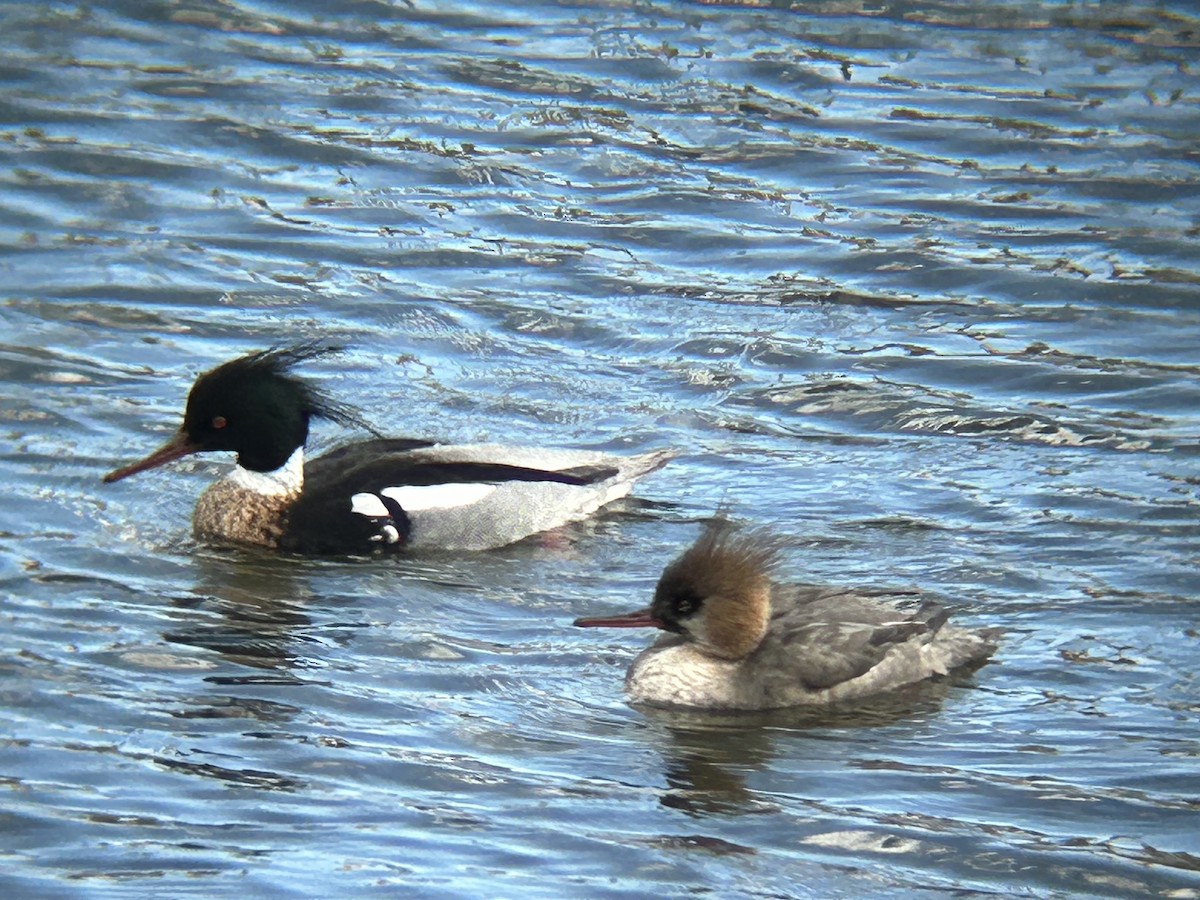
(219,422)
(685,604)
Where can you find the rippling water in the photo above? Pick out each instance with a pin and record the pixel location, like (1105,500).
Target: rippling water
(914,283)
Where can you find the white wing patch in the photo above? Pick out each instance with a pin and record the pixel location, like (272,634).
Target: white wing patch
(413,498)
(368,505)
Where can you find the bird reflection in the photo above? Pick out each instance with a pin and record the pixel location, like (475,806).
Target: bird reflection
(257,618)
(248,609)
(709,756)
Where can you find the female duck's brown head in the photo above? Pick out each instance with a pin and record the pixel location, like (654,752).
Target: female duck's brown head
(717,593)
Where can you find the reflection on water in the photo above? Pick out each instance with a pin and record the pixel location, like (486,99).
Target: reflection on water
(254,614)
(915,286)
(707,756)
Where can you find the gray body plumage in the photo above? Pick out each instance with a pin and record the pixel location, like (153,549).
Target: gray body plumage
(822,646)
(517,509)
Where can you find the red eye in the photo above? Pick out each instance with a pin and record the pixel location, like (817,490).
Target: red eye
(219,422)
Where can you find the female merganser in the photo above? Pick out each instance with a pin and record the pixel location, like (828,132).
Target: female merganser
(386,493)
(741,642)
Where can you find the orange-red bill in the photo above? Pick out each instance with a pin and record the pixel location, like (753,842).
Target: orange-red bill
(643,618)
(179,446)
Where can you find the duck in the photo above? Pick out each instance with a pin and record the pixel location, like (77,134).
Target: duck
(375,495)
(739,641)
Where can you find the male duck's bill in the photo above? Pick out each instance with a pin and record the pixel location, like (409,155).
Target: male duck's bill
(176,448)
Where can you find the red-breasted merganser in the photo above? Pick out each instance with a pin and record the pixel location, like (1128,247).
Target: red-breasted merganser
(741,642)
(382,494)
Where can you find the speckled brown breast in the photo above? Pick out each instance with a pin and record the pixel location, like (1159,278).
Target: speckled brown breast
(227,512)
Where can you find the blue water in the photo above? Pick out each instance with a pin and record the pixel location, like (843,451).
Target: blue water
(914,285)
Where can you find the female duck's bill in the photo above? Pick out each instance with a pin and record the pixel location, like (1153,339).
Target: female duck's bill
(642,618)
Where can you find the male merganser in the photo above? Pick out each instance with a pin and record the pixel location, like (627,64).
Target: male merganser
(385,493)
(741,642)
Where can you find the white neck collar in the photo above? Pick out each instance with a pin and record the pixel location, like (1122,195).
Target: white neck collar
(288,479)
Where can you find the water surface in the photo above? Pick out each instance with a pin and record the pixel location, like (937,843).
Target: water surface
(915,285)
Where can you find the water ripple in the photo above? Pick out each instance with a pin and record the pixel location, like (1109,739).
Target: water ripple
(916,285)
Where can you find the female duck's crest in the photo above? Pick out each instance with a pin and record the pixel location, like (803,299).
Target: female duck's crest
(718,592)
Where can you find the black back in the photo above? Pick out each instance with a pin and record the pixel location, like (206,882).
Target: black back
(321,522)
